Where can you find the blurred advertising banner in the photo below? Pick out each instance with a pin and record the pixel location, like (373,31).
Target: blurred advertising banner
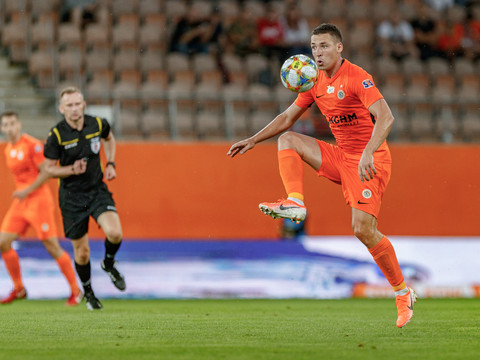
(308,267)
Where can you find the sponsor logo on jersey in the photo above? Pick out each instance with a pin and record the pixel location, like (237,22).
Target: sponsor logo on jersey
(343,119)
(367,83)
(68,146)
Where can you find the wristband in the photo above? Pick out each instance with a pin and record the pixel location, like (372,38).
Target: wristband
(111,163)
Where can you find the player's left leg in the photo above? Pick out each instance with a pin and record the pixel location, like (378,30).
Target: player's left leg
(365,229)
(12,263)
(64,262)
(109,221)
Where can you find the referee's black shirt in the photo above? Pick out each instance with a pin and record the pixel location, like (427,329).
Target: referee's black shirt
(68,145)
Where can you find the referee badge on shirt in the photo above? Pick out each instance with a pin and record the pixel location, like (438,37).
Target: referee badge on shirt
(95,144)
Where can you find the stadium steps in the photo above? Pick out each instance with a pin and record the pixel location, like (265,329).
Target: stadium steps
(37,110)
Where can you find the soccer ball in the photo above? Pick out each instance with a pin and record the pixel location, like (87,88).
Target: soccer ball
(299,73)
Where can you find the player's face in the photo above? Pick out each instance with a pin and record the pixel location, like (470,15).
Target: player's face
(326,51)
(11,127)
(72,106)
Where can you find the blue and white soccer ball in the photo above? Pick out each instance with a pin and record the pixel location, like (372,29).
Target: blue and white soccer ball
(299,73)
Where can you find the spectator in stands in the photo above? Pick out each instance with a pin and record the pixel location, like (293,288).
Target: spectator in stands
(449,44)
(194,34)
(80,12)
(440,5)
(271,34)
(297,32)
(396,37)
(471,37)
(425,30)
(241,34)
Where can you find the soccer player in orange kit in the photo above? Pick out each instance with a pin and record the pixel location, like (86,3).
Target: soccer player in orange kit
(33,205)
(360,120)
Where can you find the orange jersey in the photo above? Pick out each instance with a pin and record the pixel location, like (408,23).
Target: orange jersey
(344,99)
(23,159)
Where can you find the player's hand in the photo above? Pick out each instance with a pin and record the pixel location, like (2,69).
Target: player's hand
(240,147)
(110,173)
(20,194)
(79,166)
(366,168)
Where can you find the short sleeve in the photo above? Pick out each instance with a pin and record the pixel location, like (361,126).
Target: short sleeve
(365,88)
(51,150)
(305,99)
(105,128)
(37,152)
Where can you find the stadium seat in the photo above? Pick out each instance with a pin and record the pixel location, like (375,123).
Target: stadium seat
(126,30)
(99,87)
(412,66)
(154,30)
(423,122)
(122,7)
(69,35)
(255,64)
(44,6)
(41,67)
(127,57)
(471,123)
(437,66)
(97,34)
(155,123)
(42,32)
(359,10)
(463,67)
(469,89)
(70,64)
(14,39)
(175,9)
(418,89)
(444,92)
(150,7)
(98,58)
(203,62)
(127,86)
(177,62)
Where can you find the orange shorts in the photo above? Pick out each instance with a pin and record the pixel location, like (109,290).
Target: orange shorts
(36,210)
(342,168)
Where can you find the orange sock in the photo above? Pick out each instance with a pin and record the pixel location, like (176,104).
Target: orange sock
(65,264)
(291,172)
(384,255)
(12,264)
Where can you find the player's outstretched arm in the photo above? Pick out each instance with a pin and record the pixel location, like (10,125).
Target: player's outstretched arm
(383,125)
(278,125)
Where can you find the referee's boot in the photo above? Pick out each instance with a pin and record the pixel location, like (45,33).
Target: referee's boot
(117,278)
(92,302)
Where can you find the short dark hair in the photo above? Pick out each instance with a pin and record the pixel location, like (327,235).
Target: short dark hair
(328,29)
(8,113)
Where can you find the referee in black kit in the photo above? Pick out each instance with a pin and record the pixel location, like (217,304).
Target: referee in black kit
(75,142)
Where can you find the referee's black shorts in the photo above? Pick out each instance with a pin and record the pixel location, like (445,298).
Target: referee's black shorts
(77,207)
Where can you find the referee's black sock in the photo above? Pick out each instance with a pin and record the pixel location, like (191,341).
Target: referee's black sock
(110,251)
(84,273)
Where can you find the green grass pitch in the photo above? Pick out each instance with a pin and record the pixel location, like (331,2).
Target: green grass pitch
(240,329)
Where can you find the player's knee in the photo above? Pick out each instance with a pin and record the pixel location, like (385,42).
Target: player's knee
(114,235)
(363,233)
(286,140)
(82,255)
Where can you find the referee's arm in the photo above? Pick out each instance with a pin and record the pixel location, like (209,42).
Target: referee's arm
(56,171)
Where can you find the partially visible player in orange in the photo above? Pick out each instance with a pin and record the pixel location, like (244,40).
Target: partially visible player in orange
(33,205)
(360,162)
